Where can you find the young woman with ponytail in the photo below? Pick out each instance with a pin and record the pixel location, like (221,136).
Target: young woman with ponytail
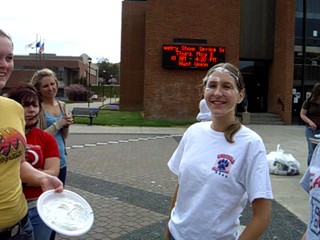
(221,165)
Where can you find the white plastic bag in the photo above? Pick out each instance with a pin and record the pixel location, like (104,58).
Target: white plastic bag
(281,163)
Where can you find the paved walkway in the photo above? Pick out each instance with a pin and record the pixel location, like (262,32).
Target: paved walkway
(122,172)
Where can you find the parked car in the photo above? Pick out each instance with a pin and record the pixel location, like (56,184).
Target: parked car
(94,97)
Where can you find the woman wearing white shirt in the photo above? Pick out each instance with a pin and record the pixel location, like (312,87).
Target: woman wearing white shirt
(220,165)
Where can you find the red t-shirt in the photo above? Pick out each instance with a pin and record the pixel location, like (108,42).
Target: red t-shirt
(40,145)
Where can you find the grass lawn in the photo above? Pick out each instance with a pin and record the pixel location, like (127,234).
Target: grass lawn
(128,118)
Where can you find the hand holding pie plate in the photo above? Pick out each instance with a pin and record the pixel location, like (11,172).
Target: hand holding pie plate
(66,213)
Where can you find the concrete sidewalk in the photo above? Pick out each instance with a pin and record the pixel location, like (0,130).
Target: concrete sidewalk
(122,172)
(287,190)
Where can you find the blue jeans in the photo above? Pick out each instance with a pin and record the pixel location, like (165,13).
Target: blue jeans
(63,175)
(26,232)
(311,146)
(40,230)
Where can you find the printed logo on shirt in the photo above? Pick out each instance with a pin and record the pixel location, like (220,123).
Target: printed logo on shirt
(314,182)
(223,165)
(315,216)
(12,144)
(34,155)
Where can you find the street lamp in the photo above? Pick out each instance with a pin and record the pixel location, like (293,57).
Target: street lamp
(89,85)
(103,83)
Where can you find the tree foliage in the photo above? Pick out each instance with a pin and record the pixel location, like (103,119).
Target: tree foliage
(76,92)
(108,70)
(82,81)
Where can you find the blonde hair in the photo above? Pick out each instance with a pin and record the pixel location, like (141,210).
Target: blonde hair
(39,75)
(5,35)
(235,73)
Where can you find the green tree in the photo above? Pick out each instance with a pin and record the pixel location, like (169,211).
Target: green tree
(82,81)
(107,69)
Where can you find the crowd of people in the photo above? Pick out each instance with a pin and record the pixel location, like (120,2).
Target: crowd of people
(22,179)
(217,158)
(53,117)
(41,152)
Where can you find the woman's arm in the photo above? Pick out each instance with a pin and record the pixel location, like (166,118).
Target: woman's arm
(173,202)
(306,119)
(56,126)
(52,166)
(30,175)
(53,129)
(260,220)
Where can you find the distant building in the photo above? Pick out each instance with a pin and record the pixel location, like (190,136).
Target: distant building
(67,69)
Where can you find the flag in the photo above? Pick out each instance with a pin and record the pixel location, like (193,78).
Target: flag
(30,45)
(41,50)
(38,44)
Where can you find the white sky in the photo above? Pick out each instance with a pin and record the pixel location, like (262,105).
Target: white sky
(68,27)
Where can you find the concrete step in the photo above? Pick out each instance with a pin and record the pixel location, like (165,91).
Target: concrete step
(262,119)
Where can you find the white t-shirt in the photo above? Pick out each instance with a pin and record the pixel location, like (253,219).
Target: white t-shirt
(216,178)
(204,114)
(311,183)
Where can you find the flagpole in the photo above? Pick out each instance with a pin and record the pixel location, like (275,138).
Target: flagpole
(36,52)
(42,50)
(40,60)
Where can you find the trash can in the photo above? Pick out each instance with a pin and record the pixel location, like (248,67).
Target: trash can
(245,118)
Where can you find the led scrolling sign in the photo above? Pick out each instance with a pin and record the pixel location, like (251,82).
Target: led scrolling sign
(191,56)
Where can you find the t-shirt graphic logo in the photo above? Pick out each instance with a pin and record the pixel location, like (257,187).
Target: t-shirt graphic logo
(223,164)
(33,155)
(12,144)
(315,221)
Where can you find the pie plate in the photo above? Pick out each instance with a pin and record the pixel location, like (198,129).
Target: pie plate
(66,213)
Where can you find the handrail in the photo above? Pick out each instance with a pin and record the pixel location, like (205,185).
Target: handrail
(279,101)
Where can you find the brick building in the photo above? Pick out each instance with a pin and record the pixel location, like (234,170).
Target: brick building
(258,36)
(67,69)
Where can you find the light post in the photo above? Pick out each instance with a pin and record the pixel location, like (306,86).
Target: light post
(89,85)
(103,83)
(111,88)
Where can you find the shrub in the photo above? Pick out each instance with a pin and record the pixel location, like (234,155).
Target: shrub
(76,92)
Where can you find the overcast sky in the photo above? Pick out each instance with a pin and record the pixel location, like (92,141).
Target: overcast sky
(67,27)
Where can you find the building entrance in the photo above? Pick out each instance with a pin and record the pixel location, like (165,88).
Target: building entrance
(255,75)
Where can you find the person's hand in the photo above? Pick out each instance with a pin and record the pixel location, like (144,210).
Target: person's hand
(69,120)
(66,121)
(312,125)
(49,182)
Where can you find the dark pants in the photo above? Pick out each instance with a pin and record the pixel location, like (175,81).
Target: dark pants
(62,176)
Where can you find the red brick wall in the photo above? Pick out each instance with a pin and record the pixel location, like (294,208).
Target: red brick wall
(174,93)
(132,55)
(281,70)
